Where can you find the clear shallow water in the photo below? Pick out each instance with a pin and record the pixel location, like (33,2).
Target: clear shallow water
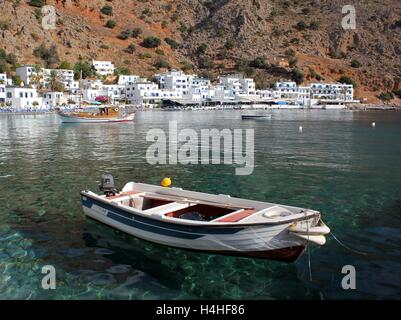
(339,165)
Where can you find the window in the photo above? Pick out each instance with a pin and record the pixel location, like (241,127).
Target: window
(21,94)
(9,95)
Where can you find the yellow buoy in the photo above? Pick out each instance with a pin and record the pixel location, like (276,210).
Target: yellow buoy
(166,182)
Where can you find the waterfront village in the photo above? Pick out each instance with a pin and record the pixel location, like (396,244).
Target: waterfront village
(172,89)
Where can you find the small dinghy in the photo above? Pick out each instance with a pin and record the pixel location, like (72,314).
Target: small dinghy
(256,117)
(104,114)
(217,224)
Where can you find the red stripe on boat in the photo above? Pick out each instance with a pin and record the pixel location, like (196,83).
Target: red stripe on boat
(237,216)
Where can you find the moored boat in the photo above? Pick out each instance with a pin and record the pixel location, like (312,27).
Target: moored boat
(256,117)
(204,222)
(103,114)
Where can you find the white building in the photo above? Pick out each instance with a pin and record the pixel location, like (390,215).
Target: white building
(23,97)
(115,92)
(64,76)
(287,90)
(267,95)
(332,91)
(26,73)
(54,99)
(148,93)
(95,84)
(175,80)
(238,85)
(91,94)
(103,68)
(199,93)
(5,80)
(2,93)
(128,79)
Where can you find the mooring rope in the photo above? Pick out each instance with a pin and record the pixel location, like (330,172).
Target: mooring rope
(346,247)
(308,248)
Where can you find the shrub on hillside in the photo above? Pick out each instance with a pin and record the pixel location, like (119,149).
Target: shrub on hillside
(111,24)
(347,80)
(172,43)
(397,92)
(298,76)
(136,32)
(258,62)
(201,49)
(151,42)
(206,63)
(107,10)
(37,3)
(130,49)
(161,63)
(48,55)
(301,25)
(124,35)
(356,64)
(314,25)
(386,96)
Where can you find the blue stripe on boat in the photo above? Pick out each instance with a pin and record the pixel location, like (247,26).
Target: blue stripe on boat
(149,228)
(159,226)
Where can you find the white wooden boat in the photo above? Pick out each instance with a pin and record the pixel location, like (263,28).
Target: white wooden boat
(103,115)
(204,222)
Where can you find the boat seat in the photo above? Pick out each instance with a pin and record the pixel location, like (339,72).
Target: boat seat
(122,195)
(236,216)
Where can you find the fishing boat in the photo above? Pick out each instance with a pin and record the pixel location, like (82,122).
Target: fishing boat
(218,224)
(256,117)
(103,114)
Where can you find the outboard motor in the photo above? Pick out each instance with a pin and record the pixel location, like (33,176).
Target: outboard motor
(107,184)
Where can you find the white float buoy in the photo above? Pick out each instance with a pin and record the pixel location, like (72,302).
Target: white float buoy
(301,129)
(373,124)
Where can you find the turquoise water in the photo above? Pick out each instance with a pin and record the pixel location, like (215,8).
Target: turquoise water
(339,164)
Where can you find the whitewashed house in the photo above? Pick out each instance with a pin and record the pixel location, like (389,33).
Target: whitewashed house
(53,99)
(115,92)
(199,93)
(5,80)
(223,94)
(237,85)
(23,98)
(128,79)
(95,84)
(175,80)
(332,91)
(64,76)
(26,73)
(148,93)
(91,94)
(103,68)
(267,95)
(287,90)
(2,93)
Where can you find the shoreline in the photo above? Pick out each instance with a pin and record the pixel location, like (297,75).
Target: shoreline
(350,108)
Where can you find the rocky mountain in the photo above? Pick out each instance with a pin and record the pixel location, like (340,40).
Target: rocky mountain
(265,39)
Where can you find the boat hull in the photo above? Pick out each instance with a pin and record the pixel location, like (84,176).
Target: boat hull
(250,117)
(73,119)
(261,241)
